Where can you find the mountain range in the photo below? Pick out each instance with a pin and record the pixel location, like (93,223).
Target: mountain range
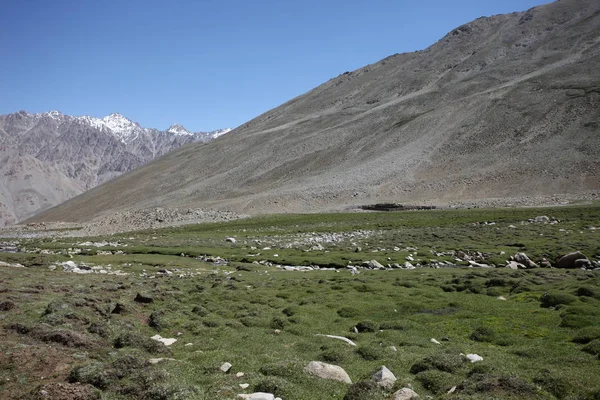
(50,157)
(503,106)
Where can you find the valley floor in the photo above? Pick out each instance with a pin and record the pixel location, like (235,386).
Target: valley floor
(415,291)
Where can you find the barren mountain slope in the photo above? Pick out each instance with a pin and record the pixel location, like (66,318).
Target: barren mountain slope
(502,106)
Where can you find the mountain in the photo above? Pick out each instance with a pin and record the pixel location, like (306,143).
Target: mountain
(503,106)
(50,157)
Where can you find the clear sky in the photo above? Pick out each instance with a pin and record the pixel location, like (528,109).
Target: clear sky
(205,64)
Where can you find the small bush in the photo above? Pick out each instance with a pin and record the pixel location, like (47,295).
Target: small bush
(200,311)
(289,311)
(278,386)
(364,390)
(447,362)
(436,381)
(553,299)
(554,384)
(367,326)
(483,334)
(588,291)
(348,312)
(155,320)
(593,347)
(393,326)
(140,342)
(282,369)
(371,352)
(94,374)
(277,323)
(586,335)
(333,355)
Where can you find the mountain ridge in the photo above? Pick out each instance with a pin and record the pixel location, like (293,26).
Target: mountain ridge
(502,106)
(47,158)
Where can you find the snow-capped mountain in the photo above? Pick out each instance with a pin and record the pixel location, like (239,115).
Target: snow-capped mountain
(50,157)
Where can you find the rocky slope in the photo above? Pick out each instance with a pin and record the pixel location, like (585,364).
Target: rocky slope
(504,106)
(48,158)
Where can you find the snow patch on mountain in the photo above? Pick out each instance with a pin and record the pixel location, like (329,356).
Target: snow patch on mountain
(219,132)
(126,130)
(179,130)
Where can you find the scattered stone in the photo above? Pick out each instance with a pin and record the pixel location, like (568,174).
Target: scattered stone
(384,378)
(257,396)
(327,371)
(572,260)
(452,390)
(474,358)
(239,374)
(522,258)
(501,298)
(140,298)
(545,263)
(514,265)
(541,218)
(405,394)
(244,385)
(478,265)
(230,240)
(165,341)
(350,342)
(432,340)
(225,367)
(157,360)
(373,264)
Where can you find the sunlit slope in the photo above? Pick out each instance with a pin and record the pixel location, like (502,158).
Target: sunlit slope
(503,106)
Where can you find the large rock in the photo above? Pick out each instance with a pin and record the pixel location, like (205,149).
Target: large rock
(327,371)
(405,394)
(384,378)
(572,260)
(257,396)
(373,264)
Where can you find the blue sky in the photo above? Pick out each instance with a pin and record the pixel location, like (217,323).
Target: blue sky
(204,64)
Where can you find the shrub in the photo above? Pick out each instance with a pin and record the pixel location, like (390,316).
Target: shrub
(588,291)
(436,381)
(348,312)
(333,355)
(93,373)
(277,323)
(282,369)
(586,335)
(200,311)
(556,385)
(278,386)
(447,362)
(140,342)
(553,299)
(367,326)
(483,334)
(371,352)
(364,390)
(155,320)
(593,347)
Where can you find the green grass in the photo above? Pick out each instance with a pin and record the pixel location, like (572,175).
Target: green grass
(541,343)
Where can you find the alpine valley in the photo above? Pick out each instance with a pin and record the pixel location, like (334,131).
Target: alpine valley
(50,157)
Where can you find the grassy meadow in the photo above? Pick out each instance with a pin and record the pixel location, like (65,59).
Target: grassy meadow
(80,336)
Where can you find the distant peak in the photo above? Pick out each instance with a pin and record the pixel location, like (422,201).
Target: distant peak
(53,114)
(177,129)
